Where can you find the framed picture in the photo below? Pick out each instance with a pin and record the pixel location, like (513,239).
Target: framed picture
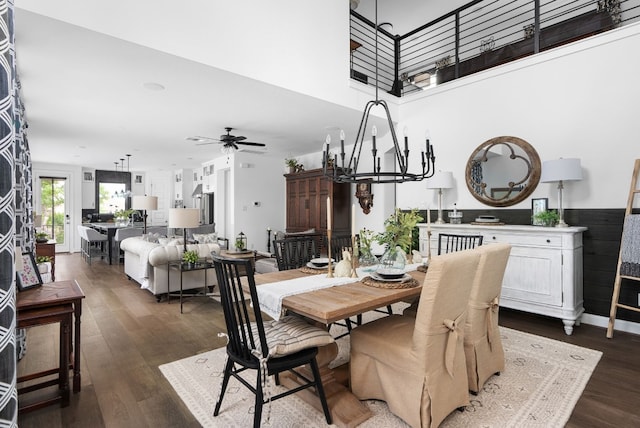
(138,179)
(29,277)
(88,176)
(538,205)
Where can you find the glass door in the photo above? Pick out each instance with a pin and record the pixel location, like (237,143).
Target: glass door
(54,211)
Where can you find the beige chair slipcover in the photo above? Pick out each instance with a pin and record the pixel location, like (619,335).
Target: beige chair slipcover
(417,365)
(482,345)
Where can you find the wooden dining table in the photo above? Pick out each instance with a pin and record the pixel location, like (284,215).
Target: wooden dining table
(326,306)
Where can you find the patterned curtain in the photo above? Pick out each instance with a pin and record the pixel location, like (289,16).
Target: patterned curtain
(8,393)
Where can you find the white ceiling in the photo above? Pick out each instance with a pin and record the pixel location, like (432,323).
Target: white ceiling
(87,104)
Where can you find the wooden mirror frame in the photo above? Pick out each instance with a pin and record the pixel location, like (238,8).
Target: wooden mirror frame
(513,191)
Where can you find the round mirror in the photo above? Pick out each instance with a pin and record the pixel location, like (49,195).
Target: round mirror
(503,171)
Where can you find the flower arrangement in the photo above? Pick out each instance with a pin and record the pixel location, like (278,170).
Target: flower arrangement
(42,237)
(190,256)
(399,230)
(547,218)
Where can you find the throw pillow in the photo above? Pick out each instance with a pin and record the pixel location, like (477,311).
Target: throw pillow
(206,238)
(151,237)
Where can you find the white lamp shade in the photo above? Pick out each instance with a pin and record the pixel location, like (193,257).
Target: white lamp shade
(144,203)
(184,218)
(561,170)
(440,180)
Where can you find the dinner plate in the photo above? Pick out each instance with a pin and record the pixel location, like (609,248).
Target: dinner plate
(312,266)
(390,273)
(320,262)
(404,277)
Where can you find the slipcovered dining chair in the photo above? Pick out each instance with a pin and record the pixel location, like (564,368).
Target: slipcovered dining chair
(448,242)
(417,365)
(269,348)
(482,345)
(92,243)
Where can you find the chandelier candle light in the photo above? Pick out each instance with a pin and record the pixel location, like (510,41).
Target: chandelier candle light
(351,172)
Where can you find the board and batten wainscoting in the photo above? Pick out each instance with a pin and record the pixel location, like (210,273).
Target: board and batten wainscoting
(601,246)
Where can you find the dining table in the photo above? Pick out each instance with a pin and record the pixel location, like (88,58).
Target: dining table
(325,306)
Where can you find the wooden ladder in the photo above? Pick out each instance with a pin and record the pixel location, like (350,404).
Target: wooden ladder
(626,235)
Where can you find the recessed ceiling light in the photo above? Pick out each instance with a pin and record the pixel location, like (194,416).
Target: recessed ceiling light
(82,147)
(152,86)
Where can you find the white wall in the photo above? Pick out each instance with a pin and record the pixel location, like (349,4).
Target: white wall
(258,178)
(574,101)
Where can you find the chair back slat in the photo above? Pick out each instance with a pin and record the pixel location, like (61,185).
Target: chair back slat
(237,312)
(449,243)
(338,243)
(294,252)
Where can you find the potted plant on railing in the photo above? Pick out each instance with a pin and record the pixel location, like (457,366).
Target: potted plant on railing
(190,258)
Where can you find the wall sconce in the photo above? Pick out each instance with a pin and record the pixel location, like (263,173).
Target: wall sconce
(365,197)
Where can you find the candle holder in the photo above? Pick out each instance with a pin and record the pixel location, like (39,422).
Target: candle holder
(354,257)
(268,240)
(428,246)
(329,269)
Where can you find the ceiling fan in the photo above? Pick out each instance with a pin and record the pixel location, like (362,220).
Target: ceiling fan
(227,140)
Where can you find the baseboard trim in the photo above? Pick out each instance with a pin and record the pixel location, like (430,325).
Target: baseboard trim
(620,325)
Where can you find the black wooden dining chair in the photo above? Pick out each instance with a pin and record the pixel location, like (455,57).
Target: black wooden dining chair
(269,348)
(294,252)
(449,243)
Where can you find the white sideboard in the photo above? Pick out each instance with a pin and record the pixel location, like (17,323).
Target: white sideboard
(544,272)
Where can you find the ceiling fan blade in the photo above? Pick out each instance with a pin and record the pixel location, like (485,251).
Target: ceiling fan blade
(239,138)
(249,143)
(200,139)
(210,142)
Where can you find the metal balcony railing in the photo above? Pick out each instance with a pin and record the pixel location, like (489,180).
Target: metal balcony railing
(475,37)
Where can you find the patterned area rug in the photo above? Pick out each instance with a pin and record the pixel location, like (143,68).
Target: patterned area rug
(541,384)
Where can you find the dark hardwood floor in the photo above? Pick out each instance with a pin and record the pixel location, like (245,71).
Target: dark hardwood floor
(126,335)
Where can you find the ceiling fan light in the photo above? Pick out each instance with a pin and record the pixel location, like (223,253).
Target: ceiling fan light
(227,149)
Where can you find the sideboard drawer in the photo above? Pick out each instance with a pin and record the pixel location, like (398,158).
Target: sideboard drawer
(533,240)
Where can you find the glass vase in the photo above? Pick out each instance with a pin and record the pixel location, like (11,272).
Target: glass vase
(367,261)
(393,258)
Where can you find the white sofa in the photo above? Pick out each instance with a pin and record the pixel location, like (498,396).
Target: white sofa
(147,264)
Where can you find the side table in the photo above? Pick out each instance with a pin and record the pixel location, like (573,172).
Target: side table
(183,267)
(49,303)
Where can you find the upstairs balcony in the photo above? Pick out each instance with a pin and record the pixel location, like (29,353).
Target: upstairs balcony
(477,36)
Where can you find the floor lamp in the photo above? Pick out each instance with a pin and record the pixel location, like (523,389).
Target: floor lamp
(145,203)
(184,218)
(561,170)
(440,180)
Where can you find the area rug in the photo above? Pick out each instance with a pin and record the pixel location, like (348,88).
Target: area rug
(539,387)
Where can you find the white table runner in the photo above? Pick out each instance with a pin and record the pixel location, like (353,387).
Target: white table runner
(271,295)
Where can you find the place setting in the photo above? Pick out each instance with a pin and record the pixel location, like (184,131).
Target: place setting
(317,265)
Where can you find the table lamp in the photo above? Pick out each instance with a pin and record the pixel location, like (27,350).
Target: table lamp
(145,203)
(184,218)
(440,180)
(561,170)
